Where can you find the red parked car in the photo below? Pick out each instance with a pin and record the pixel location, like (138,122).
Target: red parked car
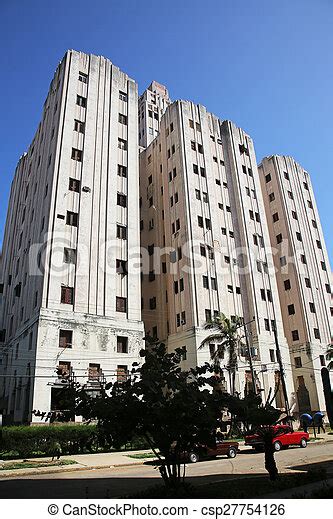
(284,436)
(222,448)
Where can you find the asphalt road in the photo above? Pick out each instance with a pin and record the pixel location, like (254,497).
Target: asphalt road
(119,482)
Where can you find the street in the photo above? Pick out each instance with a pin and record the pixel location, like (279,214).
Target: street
(120,482)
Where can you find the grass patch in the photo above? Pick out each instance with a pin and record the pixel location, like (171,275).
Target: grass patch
(141,456)
(35,464)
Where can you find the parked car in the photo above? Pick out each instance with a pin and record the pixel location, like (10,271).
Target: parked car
(222,448)
(283,437)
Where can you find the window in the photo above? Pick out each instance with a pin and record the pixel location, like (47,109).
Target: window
(198,127)
(193,146)
(247,191)
(151,276)
(202,172)
(307,282)
(197,194)
(314,224)
(290,195)
(121,200)
(173,149)
(152,303)
(275,217)
(286,175)
(121,304)
(230,289)
(122,144)
(298,236)
(310,204)
(316,333)
(295,335)
(121,232)
(208,315)
(208,224)
(191,123)
(69,255)
(81,101)
(65,339)
(291,309)
(318,244)
(72,219)
(312,307)
(200,148)
(77,155)
(83,77)
(121,266)
(279,238)
(213,283)
(328,288)
(306,186)
(200,221)
(268,178)
(269,295)
(294,215)
(266,322)
(74,185)
(122,119)
(322,360)
(195,169)
(67,295)
(122,171)
(227,259)
(122,373)
(263,294)
(79,126)
(287,284)
(272,355)
(271,197)
(202,250)
(122,96)
(303,259)
(251,214)
(205,282)
(298,362)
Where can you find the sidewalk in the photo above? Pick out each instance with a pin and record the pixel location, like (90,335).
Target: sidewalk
(102,460)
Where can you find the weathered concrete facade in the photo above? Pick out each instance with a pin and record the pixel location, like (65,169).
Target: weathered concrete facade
(302,271)
(69,298)
(201,204)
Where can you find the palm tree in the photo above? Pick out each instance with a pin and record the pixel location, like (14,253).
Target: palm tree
(329,356)
(226,337)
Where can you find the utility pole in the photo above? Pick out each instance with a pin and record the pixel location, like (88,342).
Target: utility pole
(282,378)
(250,359)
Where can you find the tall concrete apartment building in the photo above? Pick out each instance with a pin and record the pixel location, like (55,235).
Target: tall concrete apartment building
(302,271)
(204,229)
(70,304)
(152,105)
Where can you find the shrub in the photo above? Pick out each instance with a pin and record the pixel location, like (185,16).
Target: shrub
(36,441)
(23,441)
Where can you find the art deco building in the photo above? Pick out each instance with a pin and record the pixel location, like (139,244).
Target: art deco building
(70,301)
(302,272)
(152,105)
(204,228)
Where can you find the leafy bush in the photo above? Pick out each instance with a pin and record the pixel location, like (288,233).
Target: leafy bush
(23,441)
(37,441)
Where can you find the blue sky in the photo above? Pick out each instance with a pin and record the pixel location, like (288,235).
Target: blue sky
(265,64)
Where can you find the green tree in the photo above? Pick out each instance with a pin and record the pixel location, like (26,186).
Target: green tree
(329,356)
(227,339)
(171,408)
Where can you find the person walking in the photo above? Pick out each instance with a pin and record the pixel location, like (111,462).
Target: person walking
(305,421)
(318,420)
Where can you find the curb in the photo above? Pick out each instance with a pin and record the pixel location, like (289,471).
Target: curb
(71,468)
